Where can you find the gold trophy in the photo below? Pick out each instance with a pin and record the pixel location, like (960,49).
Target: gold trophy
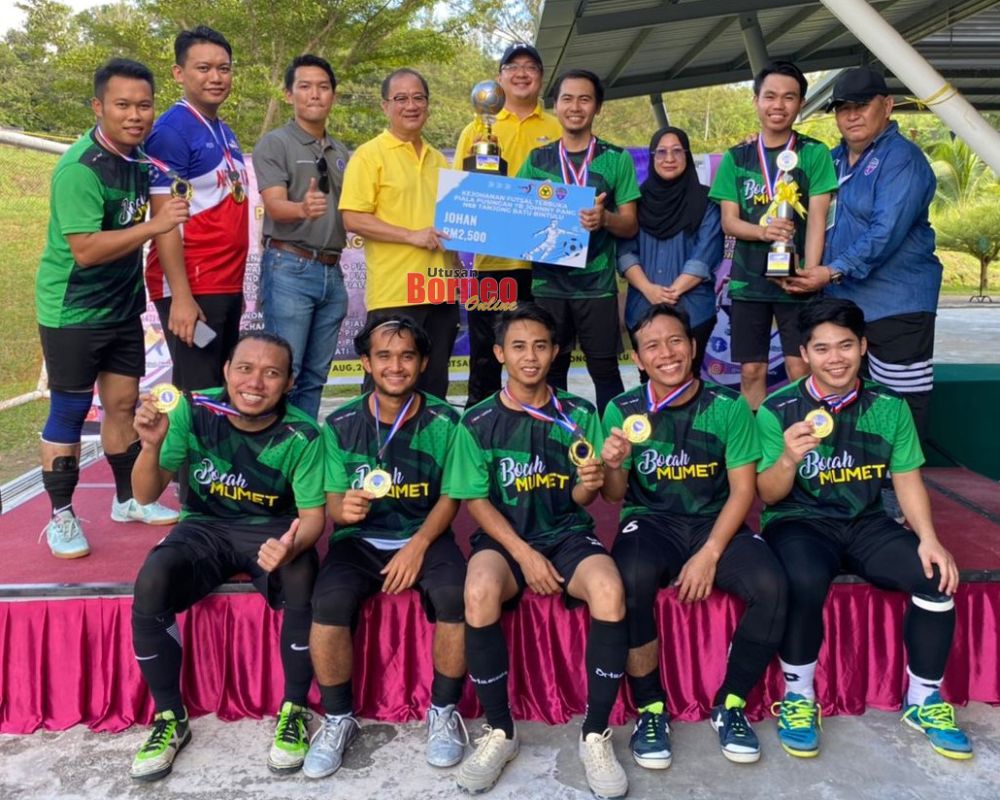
(783,258)
(487,99)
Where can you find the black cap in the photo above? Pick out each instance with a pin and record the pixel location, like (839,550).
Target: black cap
(520,49)
(858,85)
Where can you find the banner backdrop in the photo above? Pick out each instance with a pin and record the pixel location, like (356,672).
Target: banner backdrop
(346,369)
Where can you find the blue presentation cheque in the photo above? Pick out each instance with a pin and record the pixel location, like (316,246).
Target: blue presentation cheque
(527,220)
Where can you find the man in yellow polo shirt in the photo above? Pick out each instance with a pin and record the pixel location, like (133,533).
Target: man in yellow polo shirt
(390,189)
(521,126)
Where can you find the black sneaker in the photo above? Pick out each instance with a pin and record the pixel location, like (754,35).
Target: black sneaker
(736,737)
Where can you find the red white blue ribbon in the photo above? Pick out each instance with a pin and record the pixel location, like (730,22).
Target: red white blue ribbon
(400,418)
(765,170)
(217,407)
(655,405)
(562,419)
(571,175)
(144,157)
(234,173)
(834,402)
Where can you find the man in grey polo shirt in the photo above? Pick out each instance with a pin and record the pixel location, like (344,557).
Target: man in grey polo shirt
(300,171)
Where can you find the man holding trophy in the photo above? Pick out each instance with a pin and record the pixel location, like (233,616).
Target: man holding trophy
(504,139)
(774,193)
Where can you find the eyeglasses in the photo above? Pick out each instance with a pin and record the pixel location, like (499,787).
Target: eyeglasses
(528,69)
(323,184)
(405,99)
(663,153)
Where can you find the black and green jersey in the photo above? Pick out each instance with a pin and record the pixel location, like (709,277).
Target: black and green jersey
(739,180)
(415,458)
(255,478)
(522,466)
(92,191)
(843,477)
(611,171)
(682,467)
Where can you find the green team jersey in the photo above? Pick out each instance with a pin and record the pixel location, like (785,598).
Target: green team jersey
(739,179)
(611,171)
(93,190)
(415,458)
(682,467)
(259,478)
(843,477)
(521,465)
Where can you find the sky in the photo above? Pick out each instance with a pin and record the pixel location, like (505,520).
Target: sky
(13,17)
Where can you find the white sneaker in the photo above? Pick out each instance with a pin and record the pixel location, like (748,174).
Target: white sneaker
(605,775)
(480,771)
(446,737)
(132,510)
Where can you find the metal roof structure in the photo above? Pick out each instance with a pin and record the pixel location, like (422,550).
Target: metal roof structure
(645,47)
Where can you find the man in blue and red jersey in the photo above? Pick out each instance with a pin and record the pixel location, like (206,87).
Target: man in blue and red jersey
(195,276)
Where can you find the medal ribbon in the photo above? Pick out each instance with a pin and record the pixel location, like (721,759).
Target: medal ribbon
(144,157)
(834,402)
(765,170)
(655,405)
(571,175)
(400,417)
(217,407)
(234,173)
(536,413)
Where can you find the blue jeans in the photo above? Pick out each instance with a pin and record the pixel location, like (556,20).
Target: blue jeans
(303,301)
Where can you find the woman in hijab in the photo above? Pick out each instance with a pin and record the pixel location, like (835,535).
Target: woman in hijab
(679,245)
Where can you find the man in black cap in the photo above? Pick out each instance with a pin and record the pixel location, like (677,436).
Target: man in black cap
(880,249)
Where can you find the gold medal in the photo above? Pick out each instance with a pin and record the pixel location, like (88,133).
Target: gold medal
(182,189)
(580,452)
(821,421)
(378,482)
(637,428)
(166,396)
(239,195)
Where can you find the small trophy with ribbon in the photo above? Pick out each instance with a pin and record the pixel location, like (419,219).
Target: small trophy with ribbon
(783,257)
(488,100)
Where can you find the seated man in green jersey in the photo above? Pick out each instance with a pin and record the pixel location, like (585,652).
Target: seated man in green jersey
(830,443)
(255,505)
(385,454)
(524,459)
(683,454)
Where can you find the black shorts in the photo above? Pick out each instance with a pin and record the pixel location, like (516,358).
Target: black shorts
(217,551)
(74,357)
(566,554)
(750,330)
(351,572)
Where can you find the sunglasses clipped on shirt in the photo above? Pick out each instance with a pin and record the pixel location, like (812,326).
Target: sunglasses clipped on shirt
(323,184)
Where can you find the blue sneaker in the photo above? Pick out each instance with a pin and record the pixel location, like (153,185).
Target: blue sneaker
(132,510)
(799,723)
(65,536)
(936,719)
(736,737)
(650,742)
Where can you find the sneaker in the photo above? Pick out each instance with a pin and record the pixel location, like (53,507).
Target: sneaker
(936,719)
(326,750)
(291,739)
(155,758)
(605,775)
(799,723)
(151,513)
(650,742)
(446,737)
(736,737)
(65,536)
(480,771)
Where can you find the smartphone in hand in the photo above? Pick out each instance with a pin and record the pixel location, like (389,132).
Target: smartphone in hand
(203,334)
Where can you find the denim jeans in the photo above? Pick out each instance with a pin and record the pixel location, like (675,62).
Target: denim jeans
(303,301)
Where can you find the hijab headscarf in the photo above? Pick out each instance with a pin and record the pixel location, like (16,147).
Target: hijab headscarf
(668,207)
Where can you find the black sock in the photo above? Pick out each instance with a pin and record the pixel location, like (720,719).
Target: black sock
(121,468)
(337,700)
(486,653)
(646,689)
(295,653)
(60,481)
(607,650)
(156,641)
(446,691)
(928,636)
(745,667)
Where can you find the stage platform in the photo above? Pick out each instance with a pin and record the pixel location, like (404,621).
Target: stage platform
(66,655)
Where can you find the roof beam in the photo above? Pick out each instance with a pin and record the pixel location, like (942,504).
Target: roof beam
(667,14)
(627,56)
(834,32)
(699,47)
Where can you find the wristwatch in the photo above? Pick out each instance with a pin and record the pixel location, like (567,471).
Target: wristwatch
(835,277)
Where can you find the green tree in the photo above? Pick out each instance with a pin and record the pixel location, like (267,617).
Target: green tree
(972,227)
(962,176)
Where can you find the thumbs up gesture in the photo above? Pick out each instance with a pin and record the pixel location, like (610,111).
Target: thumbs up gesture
(592,219)
(275,553)
(314,203)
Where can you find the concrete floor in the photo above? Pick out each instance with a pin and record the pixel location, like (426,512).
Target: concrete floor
(873,757)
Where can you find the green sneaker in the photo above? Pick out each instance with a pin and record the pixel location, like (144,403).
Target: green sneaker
(291,739)
(155,758)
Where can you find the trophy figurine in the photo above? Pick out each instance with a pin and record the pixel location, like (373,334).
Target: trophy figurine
(487,100)
(783,258)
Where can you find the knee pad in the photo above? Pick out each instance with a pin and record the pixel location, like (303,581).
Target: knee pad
(933,602)
(448,602)
(67,412)
(336,606)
